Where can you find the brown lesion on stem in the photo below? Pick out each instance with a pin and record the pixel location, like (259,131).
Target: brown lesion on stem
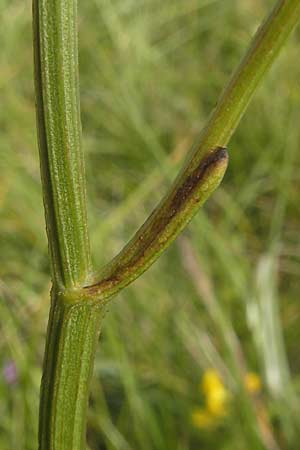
(190,184)
(157,232)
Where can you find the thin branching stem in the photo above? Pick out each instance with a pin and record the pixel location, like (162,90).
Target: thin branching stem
(170,217)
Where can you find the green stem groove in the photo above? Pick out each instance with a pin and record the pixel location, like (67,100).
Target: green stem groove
(72,335)
(59,135)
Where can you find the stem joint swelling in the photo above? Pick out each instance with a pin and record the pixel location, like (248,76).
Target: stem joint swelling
(78,297)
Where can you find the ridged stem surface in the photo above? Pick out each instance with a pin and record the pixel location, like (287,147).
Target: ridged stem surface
(59,135)
(72,336)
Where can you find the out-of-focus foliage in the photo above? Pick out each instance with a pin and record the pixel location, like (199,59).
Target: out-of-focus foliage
(224,299)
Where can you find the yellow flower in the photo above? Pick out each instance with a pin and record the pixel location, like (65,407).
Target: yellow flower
(211,380)
(216,395)
(216,402)
(253,383)
(201,418)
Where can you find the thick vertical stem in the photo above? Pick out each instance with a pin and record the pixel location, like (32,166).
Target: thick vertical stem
(59,134)
(74,322)
(73,331)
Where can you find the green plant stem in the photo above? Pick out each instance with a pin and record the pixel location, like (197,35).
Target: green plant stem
(264,48)
(74,324)
(155,235)
(72,335)
(78,304)
(59,135)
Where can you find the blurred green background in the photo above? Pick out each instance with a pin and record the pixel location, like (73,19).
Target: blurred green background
(202,352)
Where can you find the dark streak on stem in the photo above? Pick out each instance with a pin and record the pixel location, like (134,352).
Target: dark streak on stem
(148,235)
(190,184)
